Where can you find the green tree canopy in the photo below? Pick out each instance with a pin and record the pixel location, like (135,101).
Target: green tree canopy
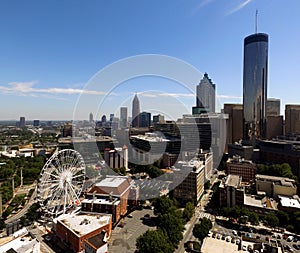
(154,242)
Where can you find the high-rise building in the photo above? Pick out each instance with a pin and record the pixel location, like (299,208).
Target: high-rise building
(22,122)
(135,111)
(123,117)
(158,118)
(292,119)
(255,78)
(206,96)
(91,118)
(273,107)
(103,119)
(235,122)
(36,123)
(145,119)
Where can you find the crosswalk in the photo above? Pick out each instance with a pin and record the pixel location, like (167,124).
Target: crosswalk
(201,215)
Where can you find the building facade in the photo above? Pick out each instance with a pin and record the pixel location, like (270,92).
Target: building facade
(135,112)
(123,117)
(255,87)
(117,157)
(243,168)
(235,122)
(231,191)
(206,95)
(292,119)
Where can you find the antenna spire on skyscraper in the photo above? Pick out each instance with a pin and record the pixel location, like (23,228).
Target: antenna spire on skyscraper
(256,13)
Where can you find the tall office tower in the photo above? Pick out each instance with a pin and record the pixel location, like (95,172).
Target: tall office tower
(274,120)
(255,87)
(22,122)
(111,117)
(235,122)
(123,117)
(158,119)
(292,119)
(91,118)
(36,123)
(103,119)
(145,119)
(273,107)
(135,111)
(206,95)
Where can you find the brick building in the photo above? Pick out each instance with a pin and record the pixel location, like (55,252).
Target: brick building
(243,168)
(76,229)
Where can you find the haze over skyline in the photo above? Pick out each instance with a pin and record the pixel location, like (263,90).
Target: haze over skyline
(51,49)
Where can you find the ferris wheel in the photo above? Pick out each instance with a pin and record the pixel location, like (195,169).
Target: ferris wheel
(61,182)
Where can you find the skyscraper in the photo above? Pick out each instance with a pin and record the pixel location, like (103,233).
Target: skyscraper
(22,122)
(255,87)
(91,118)
(123,117)
(206,95)
(135,111)
(145,119)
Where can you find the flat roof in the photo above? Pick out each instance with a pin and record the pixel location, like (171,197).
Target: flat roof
(289,202)
(82,224)
(282,180)
(233,180)
(111,181)
(20,244)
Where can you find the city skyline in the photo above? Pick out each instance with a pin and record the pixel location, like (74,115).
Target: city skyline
(48,54)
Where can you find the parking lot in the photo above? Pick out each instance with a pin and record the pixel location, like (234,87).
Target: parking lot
(223,230)
(123,238)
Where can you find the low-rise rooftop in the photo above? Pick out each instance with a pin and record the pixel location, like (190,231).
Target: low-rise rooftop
(82,224)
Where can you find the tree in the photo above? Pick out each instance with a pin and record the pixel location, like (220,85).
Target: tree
(253,218)
(201,230)
(283,218)
(154,242)
(188,211)
(271,220)
(163,204)
(172,225)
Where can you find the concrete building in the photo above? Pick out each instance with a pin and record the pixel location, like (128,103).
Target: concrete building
(150,147)
(289,203)
(112,195)
(206,95)
(158,119)
(274,126)
(145,119)
(96,244)
(235,122)
(117,157)
(21,241)
(243,168)
(231,191)
(91,118)
(22,122)
(189,179)
(274,186)
(77,229)
(292,119)
(281,151)
(123,117)
(273,107)
(36,123)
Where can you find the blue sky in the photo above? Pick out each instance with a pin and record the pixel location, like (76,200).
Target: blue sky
(51,50)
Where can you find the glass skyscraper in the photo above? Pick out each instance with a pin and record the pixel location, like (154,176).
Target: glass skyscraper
(255,87)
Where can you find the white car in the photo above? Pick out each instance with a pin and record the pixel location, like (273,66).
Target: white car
(234,232)
(244,248)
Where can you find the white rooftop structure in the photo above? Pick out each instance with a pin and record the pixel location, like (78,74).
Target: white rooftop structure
(111,181)
(289,202)
(23,243)
(82,224)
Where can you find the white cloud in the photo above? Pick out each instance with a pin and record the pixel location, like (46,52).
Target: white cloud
(200,5)
(157,94)
(28,89)
(239,7)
